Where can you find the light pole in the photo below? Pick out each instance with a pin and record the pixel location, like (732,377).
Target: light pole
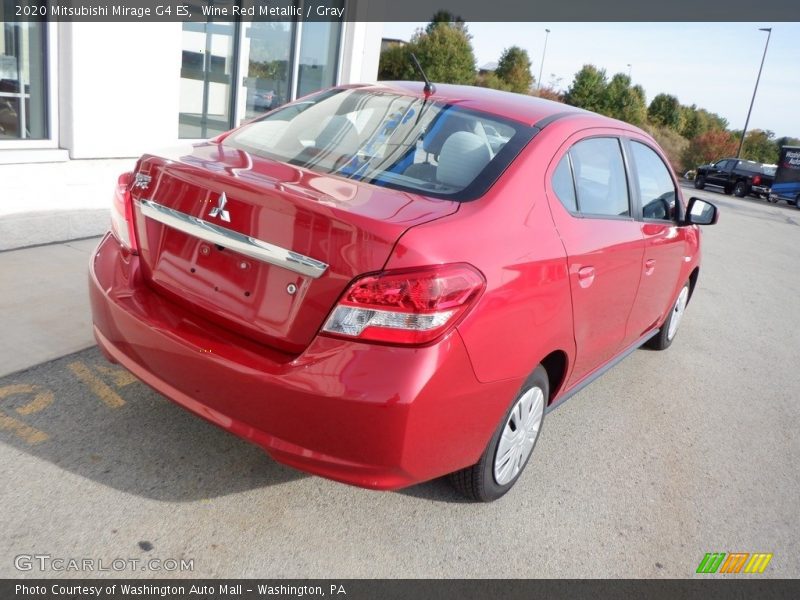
(747,121)
(541,67)
(630,70)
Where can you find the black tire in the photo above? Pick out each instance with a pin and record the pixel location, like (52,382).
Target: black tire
(662,340)
(741,189)
(797,201)
(478,482)
(699,182)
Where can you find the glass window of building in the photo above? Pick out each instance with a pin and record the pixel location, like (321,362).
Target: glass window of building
(267,47)
(319,53)
(207,75)
(23,77)
(232,72)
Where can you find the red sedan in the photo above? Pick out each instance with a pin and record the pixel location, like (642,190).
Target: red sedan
(383,285)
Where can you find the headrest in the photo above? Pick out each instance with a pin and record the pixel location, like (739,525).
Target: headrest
(463,156)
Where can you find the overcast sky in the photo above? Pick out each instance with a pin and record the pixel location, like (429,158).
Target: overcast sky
(711,65)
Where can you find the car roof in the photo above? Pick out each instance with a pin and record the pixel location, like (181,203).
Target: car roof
(526,109)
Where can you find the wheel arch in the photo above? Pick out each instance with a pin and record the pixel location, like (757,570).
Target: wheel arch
(693,280)
(555,364)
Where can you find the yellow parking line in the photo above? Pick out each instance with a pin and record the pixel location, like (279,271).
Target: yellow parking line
(42,399)
(120,376)
(26,432)
(100,389)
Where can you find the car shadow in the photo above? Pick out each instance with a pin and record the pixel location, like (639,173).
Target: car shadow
(96,420)
(437,490)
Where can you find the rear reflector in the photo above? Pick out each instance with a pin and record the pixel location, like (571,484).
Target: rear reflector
(406,307)
(122,213)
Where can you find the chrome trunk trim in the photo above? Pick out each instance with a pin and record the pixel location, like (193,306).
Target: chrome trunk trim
(233,240)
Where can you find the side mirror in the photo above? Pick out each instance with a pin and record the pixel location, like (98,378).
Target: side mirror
(700,212)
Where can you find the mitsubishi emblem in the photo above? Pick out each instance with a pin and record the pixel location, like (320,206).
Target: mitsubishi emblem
(219,209)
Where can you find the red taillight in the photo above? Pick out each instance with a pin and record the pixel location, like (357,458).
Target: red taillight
(757,180)
(122,213)
(406,307)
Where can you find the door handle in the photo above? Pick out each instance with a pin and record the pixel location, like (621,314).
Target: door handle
(649,266)
(585,276)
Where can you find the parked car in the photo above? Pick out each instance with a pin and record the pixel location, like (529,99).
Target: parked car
(373,292)
(735,176)
(259,100)
(786,185)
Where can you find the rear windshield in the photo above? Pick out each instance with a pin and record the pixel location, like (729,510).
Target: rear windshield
(387,139)
(749,165)
(769,169)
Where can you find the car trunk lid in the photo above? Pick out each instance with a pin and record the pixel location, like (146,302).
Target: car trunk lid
(263,247)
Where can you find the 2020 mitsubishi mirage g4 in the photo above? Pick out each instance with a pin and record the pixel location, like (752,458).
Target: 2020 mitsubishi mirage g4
(384,284)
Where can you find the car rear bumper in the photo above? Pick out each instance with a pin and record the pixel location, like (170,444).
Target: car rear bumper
(375,416)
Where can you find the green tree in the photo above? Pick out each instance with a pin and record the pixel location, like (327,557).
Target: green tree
(665,111)
(710,146)
(395,64)
(588,89)
(713,121)
(445,52)
(625,102)
(759,145)
(491,80)
(443,48)
(514,68)
(691,123)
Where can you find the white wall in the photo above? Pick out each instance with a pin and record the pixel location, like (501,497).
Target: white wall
(120,85)
(361,52)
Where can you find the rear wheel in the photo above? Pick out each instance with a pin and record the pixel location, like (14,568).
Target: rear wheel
(699,182)
(512,444)
(663,339)
(740,189)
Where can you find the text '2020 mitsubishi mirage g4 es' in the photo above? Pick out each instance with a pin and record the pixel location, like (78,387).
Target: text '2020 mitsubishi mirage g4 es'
(385,284)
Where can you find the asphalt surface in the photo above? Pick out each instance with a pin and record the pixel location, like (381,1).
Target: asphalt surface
(667,457)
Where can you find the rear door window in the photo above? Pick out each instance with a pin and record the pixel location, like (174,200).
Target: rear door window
(600,182)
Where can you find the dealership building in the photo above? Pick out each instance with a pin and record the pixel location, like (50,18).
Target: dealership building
(79,101)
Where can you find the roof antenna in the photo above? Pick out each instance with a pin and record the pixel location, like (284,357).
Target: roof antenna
(429,87)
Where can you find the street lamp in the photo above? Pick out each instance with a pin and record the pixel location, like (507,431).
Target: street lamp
(630,70)
(541,68)
(747,121)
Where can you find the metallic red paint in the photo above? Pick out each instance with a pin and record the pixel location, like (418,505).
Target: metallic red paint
(216,333)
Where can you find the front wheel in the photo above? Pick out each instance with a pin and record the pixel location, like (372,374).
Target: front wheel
(699,182)
(663,339)
(511,446)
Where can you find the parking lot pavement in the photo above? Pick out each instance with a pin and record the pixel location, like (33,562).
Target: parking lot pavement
(669,456)
(44,303)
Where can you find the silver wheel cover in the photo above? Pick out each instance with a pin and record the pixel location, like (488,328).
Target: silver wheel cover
(677,313)
(519,435)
